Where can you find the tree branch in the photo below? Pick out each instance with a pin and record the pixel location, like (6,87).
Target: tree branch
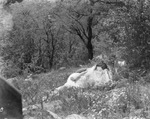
(79,34)
(82,28)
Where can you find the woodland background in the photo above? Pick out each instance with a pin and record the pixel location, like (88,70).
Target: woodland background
(49,35)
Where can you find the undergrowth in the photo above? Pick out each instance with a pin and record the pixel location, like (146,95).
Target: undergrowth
(118,100)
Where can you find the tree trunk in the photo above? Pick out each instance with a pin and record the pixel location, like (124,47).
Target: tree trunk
(51,59)
(90,50)
(89,45)
(52,51)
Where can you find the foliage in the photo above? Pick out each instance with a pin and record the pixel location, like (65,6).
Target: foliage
(37,92)
(37,42)
(50,35)
(138,36)
(122,99)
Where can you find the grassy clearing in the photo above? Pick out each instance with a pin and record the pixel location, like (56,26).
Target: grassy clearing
(121,100)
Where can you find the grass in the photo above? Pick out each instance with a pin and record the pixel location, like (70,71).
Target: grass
(120,100)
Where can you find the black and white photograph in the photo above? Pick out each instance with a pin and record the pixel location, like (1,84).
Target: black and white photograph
(74,59)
